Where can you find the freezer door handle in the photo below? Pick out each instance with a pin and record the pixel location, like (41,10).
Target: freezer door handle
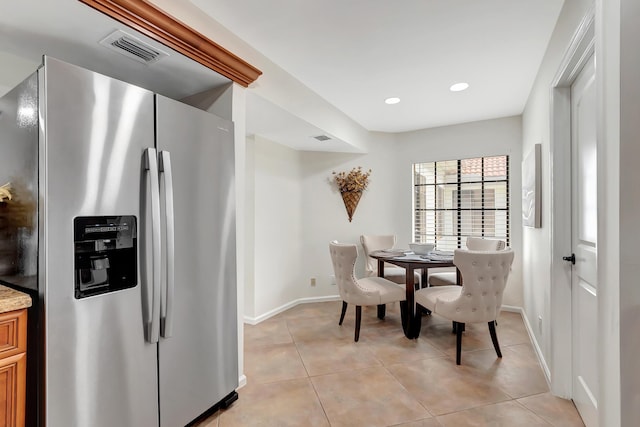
(153,291)
(166,303)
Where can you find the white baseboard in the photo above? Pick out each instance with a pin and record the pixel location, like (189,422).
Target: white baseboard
(534,341)
(242,381)
(277,310)
(511,308)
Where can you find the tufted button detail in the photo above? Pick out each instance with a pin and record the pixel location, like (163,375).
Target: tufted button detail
(480,279)
(484,293)
(469,295)
(474,263)
(497,293)
(458,309)
(493,277)
(474,310)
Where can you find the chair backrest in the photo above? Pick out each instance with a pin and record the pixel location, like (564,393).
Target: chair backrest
(372,243)
(481,244)
(484,277)
(343,257)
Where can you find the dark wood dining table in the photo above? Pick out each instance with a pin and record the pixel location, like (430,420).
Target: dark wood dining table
(411,262)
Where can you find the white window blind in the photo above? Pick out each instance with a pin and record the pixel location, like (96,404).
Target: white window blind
(455,199)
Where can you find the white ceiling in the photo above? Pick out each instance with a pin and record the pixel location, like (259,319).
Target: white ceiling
(353,53)
(356,53)
(267,120)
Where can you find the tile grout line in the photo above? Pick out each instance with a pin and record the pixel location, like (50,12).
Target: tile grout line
(409,393)
(532,411)
(313,386)
(369,347)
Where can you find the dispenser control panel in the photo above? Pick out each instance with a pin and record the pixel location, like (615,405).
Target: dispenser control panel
(105,254)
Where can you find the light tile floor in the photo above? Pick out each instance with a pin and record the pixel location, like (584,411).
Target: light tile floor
(304,370)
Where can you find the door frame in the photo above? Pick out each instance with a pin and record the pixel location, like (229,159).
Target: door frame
(580,49)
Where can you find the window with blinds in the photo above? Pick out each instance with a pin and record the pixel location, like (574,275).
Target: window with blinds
(455,199)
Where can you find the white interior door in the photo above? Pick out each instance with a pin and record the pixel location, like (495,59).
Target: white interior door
(584,244)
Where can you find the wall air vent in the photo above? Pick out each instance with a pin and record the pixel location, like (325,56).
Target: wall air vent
(322,138)
(132,47)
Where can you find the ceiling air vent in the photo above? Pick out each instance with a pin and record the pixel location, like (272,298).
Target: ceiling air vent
(322,138)
(132,47)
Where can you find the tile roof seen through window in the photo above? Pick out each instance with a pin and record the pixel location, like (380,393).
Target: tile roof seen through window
(493,166)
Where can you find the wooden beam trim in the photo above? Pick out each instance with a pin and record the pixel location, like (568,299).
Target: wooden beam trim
(155,23)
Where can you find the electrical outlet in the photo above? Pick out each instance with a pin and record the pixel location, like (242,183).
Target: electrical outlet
(313,281)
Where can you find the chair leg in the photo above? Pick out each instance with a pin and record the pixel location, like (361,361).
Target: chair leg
(422,311)
(344,310)
(453,330)
(382,310)
(494,338)
(459,329)
(358,318)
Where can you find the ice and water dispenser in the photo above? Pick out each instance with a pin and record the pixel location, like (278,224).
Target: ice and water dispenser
(105,254)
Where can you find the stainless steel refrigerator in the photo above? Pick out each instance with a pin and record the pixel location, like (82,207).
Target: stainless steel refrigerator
(127,244)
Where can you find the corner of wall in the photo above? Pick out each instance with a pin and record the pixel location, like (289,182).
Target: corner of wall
(217,100)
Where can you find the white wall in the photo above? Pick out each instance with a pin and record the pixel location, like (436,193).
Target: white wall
(236,95)
(623,154)
(618,94)
(483,138)
(618,406)
(325,217)
(536,243)
(14,70)
(277,228)
(386,206)
(248,244)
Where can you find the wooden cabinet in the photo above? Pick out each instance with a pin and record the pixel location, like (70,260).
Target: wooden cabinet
(13,364)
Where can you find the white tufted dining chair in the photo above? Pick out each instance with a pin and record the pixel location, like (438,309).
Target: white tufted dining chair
(372,243)
(484,277)
(366,291)
(447,278)
(482,244)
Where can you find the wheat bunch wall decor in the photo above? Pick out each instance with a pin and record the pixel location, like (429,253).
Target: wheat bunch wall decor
(351,185)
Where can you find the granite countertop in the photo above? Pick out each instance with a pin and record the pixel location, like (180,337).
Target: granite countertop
(10,299)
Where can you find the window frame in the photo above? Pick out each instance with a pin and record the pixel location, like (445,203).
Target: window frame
(458,202)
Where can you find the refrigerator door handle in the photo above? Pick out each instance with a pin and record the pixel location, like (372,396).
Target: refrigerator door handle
(166,303)
(153,292)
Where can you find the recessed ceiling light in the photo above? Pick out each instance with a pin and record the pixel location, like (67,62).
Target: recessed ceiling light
(392,101)
(458,87)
